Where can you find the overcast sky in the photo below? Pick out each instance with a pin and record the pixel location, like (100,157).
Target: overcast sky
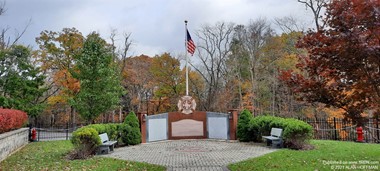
(157,26)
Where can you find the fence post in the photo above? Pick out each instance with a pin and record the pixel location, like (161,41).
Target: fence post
(30,132)
(336,137)
(377,130)
(38,132)
(67,131)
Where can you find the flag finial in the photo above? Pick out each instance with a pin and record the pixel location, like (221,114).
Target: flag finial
(185,21)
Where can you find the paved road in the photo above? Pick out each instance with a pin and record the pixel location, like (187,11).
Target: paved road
(191,155)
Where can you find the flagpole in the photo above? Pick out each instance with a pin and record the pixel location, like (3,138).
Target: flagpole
(187,61)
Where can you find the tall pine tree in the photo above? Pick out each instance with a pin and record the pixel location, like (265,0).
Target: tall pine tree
(100,87)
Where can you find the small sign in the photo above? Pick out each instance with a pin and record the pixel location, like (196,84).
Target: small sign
(186,105)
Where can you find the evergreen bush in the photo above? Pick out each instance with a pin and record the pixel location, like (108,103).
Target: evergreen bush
(131,134)
(124,130)
(243,132)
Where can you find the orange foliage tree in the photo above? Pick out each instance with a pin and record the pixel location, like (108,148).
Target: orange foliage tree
(137,81)
(343,59)
(56,53)
(168,80)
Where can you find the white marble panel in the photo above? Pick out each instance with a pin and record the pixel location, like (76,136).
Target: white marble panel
(157,129)
(217,127)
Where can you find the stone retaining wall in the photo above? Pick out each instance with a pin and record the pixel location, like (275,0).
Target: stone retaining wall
(12,141)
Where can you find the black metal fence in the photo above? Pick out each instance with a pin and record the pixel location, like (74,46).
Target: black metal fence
(49,132)
(324,129)
(344,130)
(53,132)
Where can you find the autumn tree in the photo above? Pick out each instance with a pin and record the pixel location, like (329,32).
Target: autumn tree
(56,56)
(247,51)
(343,60)
(138,81)
(197,85)
(100,87)
(280,53)
(169,80)
(21,83)
(154,84)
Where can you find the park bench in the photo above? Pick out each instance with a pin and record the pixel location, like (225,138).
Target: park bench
(107,146)
(275,138)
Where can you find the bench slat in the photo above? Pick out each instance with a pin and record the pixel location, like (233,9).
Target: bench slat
(103,137)
(107,146)
(276,132)
(275,137)
(109,143)
(271,138)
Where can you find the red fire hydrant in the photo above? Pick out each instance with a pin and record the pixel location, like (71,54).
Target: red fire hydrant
(34,134)
(359,131)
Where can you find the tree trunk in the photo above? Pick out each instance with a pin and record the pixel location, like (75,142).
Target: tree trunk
(72,116)
(113,116)
(120,114)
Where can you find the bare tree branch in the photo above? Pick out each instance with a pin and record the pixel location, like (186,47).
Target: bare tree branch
(5,41)
(289,24)
(2,7)
(127,45)
(316,7)
(213,50)
(19,35)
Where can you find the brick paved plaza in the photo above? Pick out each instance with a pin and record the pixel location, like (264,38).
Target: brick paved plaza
(192,154)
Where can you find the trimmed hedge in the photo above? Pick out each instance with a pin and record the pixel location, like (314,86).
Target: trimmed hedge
(86,139)
(111,129)
(296,133)
(11,119)
(262,125)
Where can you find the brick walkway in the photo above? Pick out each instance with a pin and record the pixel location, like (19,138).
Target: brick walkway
(191,155)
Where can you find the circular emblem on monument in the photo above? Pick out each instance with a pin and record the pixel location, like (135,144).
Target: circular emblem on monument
(186,105)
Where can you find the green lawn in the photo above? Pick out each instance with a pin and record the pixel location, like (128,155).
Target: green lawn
(51,156)
(327,155)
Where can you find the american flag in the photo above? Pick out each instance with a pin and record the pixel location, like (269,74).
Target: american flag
(190,44)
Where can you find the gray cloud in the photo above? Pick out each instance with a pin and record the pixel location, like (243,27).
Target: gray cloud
(156,25)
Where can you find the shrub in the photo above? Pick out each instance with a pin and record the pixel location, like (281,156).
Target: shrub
(111,129)
(243,132)
(85,141)
(124,130)
(11,119)
(260,126)
(131,134)
(296,133)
